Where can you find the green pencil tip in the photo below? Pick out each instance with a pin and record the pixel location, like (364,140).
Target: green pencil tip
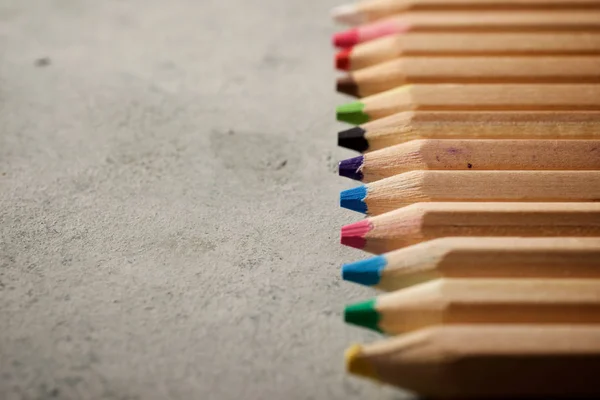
(363,314)
(352,113)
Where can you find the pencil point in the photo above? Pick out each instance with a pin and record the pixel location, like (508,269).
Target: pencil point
(342,59)
(347,14)
(353,235)
(357,365)
(365,272)
(363,314)
(352,113)
(346,85)
(351,168)
(346,38)
(354,199)
(353,139)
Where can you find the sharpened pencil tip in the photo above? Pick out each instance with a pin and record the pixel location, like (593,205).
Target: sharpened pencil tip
(347,14)
(353,241)
(346,85)
(346,38)
(353,235)
(351,168)
(352,113)
(342,59)
(357,365)
(354,199)
(365,272)
(363,314)
(353,139)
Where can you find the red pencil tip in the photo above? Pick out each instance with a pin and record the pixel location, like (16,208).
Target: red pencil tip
(342,59)
(353,235)
(346,39)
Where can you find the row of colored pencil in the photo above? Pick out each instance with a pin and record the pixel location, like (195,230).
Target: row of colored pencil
(479,127)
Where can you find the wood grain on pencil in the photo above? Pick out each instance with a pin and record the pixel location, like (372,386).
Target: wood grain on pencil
(472,21)
(498,125)
(473,97)
(425,221)
(479,70)
(480,301)
(486,361)
(369,11)
(478,257)
(467,44)
(473,154)
(478,186)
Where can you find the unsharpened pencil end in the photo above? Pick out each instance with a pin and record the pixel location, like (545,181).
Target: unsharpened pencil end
(347,14)
(353,235)
(357,365)
(354,199)
(353,139)
(352,113)
(365,272)
(346,38)
(342,59)
(363,314)
(351,168)
(346,85)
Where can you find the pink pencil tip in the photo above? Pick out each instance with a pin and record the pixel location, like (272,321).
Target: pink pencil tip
(346,39)
(353,235)
(356,242)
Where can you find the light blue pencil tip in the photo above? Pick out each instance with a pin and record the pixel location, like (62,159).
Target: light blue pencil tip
(353,199)
(366,272)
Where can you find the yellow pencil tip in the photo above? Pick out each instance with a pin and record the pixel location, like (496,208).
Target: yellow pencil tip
(357,365)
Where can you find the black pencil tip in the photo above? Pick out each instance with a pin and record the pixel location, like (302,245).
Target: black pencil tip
(354,139)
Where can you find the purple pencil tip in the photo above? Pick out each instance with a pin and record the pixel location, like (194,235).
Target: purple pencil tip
(351,168)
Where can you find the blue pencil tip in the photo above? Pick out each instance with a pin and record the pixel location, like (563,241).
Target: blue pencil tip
(353,199)
(366,272)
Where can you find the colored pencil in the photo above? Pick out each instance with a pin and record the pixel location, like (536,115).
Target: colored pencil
(474,154)
(431,125)
(449,301)
(486,361)
(369,11)
(425,221)
(479,70)
(479,186)
(473,21)
(478,257)
(456,97)
(467,44)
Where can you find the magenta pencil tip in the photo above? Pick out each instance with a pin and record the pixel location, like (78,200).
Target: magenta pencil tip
(346,39)
(353,235)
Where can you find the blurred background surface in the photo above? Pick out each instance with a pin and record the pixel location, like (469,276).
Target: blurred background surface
(168,202)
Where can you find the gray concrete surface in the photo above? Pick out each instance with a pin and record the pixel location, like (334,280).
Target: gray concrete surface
(168,202)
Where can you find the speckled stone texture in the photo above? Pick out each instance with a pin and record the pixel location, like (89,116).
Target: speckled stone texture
(169,218)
